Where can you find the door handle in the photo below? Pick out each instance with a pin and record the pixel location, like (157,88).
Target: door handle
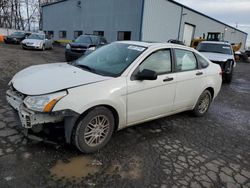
(199,73)
(168,79)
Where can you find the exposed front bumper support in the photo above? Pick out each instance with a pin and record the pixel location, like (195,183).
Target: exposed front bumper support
(31,119)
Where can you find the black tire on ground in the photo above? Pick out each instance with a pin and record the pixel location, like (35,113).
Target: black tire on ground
(97,124)
(228,77)
(202,104)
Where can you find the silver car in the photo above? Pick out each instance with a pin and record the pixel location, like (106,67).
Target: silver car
(37,41)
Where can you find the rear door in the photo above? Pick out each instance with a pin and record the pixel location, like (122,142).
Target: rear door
(190,79)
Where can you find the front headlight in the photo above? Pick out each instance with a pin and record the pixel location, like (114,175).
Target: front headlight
(92,48)
(44,103)
(68,46)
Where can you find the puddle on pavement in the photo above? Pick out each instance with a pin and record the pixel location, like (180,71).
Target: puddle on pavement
(76,168)
(240,85)
(80,167)
(132,169)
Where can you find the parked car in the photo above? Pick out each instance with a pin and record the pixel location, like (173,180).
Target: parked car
(37,41)
(119,85)
(16,37)
(84,43)
(247,52)
(175,41)
(220,53)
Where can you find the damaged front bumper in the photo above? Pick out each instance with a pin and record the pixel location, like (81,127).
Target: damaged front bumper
(32,120)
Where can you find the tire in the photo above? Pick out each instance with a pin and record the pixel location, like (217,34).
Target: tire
(100,121)
(43,48)
(202,104)
(228,77)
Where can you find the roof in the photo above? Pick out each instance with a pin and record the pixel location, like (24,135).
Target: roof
(179,4)
(137,43)
(155,44)
(215,42)
(186,7)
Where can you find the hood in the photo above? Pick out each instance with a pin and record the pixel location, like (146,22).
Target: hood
(217,56)
(79,45)
(32,41)
(49,78)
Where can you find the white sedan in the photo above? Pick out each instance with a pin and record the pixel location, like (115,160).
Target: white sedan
(116,86)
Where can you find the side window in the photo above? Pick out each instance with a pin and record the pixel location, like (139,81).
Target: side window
(185,60)
(159,61)
(203,62)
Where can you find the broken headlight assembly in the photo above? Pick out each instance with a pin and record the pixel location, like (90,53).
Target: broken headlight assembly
(43,103)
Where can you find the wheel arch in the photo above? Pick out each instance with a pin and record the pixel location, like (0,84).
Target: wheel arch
(211,90)
(111,108)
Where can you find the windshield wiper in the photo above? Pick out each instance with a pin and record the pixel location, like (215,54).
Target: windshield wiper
(85,67)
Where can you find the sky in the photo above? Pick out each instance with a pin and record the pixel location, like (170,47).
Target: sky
(232,12)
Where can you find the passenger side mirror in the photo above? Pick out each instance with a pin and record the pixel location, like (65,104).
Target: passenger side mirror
(146,74)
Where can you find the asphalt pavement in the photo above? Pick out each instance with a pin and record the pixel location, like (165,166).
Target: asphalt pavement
(176,151)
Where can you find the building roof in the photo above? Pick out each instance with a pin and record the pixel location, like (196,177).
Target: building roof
(48,4)
(172,1)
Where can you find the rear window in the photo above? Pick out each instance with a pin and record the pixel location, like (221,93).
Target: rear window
(203,62)
(215,48)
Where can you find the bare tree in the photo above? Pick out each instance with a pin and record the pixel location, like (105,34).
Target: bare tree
(22,14)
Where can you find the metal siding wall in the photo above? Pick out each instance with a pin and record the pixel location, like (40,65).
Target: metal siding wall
(109,16)
(161,22)
(204,25)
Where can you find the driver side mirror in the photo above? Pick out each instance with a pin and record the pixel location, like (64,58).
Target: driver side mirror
(146,74)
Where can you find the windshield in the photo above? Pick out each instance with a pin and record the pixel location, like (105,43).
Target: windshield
(36,36)
(17,34)
(110,60)
(83,39)
(214,48)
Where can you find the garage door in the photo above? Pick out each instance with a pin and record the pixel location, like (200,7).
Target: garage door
(188,34)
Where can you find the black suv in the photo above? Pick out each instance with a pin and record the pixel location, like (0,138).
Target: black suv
(83,44)
(16,37)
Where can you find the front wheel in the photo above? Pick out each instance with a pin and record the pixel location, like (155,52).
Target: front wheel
(203,104)
(229,76)
(94,130)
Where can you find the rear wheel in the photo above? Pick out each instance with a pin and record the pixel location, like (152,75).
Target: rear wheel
(94,130)
(203,104)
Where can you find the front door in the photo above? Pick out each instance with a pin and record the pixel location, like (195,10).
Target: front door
(151,98)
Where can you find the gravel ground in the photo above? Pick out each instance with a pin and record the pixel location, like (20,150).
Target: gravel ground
(177,151)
